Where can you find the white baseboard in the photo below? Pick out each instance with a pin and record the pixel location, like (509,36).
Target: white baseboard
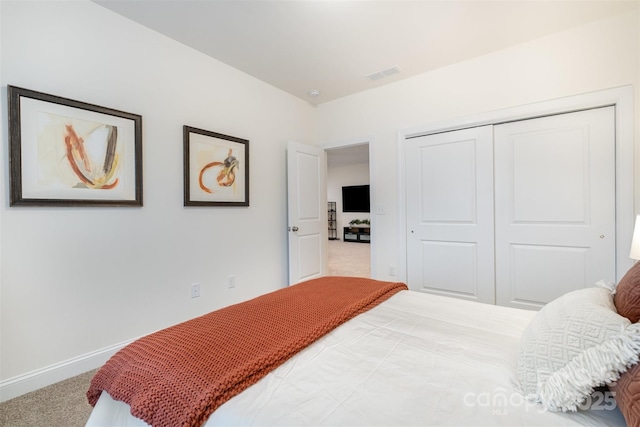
(22,384)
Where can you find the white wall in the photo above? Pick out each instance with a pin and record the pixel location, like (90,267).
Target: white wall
(77,280)
(343,175)
(601,55)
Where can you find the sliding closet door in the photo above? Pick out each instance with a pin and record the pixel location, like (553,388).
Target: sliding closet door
(555,205)
(450,214)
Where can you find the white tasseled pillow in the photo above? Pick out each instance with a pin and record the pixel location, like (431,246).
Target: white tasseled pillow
(574,344)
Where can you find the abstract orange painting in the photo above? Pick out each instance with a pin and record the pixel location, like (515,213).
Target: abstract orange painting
(69,153)
(216,168)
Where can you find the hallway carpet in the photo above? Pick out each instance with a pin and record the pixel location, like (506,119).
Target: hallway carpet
(349,259)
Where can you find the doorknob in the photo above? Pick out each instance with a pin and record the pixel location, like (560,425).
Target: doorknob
(294,228)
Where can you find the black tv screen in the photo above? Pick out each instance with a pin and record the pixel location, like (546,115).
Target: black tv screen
(355,198)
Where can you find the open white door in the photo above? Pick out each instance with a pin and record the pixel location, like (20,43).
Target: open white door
(307,211)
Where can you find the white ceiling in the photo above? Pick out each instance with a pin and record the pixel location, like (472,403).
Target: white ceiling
(329,46)
(348,155)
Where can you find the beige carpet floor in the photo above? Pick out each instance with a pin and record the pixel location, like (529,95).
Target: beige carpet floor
(349,258)
(64,404)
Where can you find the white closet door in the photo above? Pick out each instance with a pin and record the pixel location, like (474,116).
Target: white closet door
(450,233)
(555,206)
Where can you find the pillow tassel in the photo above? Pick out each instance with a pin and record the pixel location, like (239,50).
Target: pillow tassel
(568,387)
(607,285)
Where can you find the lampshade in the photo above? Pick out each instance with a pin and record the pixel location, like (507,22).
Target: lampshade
(635,243)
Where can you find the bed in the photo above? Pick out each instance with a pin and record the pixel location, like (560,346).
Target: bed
(413,359)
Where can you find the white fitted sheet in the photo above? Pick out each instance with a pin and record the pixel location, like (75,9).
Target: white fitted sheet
(414,360)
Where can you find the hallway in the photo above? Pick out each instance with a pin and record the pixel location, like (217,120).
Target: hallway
(349,259)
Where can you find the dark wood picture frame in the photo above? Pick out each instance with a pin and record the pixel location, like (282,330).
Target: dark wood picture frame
(216,169)
(64,152)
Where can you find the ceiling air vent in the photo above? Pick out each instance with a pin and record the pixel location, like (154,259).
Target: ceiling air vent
(389,71)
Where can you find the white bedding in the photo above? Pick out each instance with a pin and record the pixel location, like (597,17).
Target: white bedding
(416,359)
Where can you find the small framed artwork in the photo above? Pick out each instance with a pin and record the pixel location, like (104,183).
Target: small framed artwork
(69,153)
(216,169)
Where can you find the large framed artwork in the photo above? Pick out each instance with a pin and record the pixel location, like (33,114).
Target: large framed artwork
(69,153)
(216,169)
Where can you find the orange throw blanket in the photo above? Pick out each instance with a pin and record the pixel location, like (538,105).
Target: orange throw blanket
(180,375)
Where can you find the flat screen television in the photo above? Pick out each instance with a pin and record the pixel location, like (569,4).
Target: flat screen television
(355,198)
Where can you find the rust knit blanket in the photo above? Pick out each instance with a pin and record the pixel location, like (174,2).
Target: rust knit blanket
(180,375)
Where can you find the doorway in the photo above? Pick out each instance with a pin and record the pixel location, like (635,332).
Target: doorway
(348,166)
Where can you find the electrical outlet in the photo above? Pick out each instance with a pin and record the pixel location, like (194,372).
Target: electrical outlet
(231,281)
(195,290)
(392,270)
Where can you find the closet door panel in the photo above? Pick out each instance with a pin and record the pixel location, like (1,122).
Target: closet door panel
(450,214)
(554,205)
(548,176)
(450,268)
(568,269)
